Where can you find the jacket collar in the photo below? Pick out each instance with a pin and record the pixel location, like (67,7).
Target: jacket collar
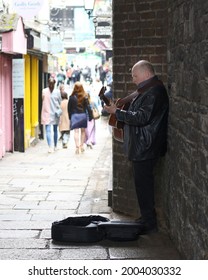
(146,82)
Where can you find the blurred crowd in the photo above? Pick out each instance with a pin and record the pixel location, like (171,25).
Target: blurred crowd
(75,91)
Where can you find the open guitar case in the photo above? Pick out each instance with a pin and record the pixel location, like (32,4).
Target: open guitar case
(93,228)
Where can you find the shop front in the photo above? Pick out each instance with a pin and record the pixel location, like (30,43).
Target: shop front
(12,47)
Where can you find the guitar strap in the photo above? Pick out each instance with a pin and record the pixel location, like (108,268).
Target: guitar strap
(134,94)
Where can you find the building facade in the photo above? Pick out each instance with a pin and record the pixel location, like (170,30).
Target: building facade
(23,74)
(13,45)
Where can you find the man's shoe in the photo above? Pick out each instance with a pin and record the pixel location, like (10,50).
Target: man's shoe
(145,228)
(140,220)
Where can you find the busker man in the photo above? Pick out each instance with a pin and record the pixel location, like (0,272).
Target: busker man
(145,137)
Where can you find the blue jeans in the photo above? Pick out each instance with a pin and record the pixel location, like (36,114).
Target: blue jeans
(55,134)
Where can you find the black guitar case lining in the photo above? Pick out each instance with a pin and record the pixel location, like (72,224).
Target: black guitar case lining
(78,229)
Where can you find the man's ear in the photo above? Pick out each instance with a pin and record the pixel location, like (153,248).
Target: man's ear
(147,74)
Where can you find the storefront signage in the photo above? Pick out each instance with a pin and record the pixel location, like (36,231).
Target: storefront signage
(18,77)
(103,23)
(103,32)
(27,8)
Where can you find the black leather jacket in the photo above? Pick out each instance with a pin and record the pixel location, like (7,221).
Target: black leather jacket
(145,129)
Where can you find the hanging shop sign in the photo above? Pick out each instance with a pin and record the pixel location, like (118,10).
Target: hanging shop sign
(103,32)
(27,8)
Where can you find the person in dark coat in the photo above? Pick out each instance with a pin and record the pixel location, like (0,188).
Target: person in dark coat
(78,104)
(145,136)
(102,74)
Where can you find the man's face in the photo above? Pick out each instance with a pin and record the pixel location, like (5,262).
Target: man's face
(138,76)
(51,84)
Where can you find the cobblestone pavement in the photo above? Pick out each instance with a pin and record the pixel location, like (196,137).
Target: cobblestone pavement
(37,188)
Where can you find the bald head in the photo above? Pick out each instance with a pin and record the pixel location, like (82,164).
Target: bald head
(142,71)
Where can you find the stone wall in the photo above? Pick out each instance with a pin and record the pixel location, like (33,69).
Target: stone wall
(178,48)
(186,172)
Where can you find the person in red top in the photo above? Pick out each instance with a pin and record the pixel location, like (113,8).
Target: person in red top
(69,75)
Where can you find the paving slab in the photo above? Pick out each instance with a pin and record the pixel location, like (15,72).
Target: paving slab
(29,254)
(83,254)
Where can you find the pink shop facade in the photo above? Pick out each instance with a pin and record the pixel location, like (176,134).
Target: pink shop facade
(12,45)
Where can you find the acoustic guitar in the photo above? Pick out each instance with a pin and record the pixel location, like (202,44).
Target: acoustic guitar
(123,104)
(117,126)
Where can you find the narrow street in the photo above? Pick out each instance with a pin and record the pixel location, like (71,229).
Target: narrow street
(37,188)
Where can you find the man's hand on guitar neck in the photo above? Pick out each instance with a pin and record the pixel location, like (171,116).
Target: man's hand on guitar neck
(111,109)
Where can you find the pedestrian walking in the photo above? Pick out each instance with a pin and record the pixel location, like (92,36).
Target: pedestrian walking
(78,106)
(64,123)
(90,130)
(61,77)
(102,74)
(51,100)
(69,75)
(62,88)
(145,136)
(76,75)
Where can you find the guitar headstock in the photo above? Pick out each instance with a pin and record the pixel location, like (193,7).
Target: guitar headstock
(102,91)
(103,97)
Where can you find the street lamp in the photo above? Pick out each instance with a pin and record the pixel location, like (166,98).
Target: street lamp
(89,6)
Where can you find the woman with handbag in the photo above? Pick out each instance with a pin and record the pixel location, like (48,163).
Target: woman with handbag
(50,113)
(77,110)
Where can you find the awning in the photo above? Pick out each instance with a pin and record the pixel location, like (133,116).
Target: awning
(100,45)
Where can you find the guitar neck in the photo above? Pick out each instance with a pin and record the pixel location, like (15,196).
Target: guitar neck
(105,100)
(103,97)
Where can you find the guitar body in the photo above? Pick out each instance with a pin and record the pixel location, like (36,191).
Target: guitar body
(117,126)
(112,119)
